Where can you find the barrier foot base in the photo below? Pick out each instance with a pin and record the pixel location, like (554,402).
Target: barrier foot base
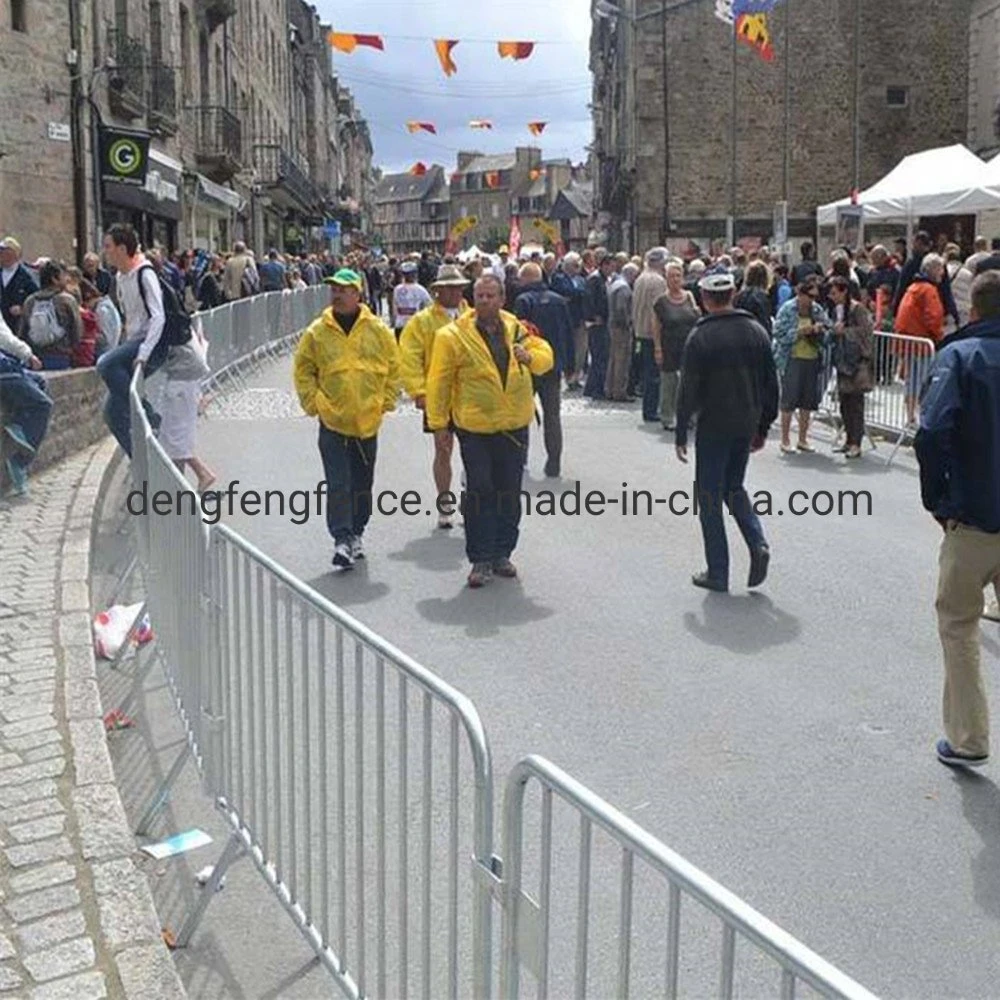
(232,851)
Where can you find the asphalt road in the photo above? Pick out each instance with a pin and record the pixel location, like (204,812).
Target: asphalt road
(781,741)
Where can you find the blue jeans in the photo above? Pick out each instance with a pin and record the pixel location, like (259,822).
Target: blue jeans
(720,464)
(491,502)
(650,383)
(349,468)
(115,367)
(25,401)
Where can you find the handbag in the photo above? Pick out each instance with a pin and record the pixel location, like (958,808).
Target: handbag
(189,362)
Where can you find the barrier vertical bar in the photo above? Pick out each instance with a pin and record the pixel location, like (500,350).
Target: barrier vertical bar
(404,916)
(291,879)
(324,753)
(673,940)
(728,961)
(453,798)
(341,798)
(428,792)
(307,891)
(359,804)
(625,925)
(380,816)
(545,894)
(583,910)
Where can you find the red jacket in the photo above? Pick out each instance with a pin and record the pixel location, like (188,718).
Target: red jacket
(85,351)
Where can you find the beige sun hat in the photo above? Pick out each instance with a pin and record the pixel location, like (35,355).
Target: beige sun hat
(449,274)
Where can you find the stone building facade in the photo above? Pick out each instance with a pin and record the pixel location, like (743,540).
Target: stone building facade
(984,78)
(411,213)
(245,115)
(866,84)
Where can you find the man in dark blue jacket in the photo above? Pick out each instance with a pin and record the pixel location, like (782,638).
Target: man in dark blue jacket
(550,313)
(958,447)
(16,282)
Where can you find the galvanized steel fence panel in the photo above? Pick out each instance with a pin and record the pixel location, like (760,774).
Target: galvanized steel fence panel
(603,915)
(360,785)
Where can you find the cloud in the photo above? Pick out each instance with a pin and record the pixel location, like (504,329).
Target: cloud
(405,81)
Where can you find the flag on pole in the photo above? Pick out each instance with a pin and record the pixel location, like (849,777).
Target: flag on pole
(418,169)
(753,29)
(753,6)
(481,123)
(515,50)
(412,127)
(443,47)
(347,43)
(536,128)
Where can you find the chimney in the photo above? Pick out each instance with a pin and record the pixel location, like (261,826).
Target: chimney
(465,158)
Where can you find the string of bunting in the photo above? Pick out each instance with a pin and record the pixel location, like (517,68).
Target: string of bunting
(347,42)
(535,128)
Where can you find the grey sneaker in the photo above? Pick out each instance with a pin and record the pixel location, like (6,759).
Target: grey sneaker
(480,575)
(342,557)
(357,548)
(505,568)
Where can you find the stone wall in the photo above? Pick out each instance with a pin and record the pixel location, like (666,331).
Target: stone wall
(920,45)
(77,418)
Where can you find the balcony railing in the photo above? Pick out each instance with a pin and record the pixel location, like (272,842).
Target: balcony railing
(219,140)
(217,12)
(130,57)
(163,94)
(276,169)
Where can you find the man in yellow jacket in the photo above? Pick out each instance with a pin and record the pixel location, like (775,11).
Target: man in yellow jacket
(415,347)
(347,375)
(480,379)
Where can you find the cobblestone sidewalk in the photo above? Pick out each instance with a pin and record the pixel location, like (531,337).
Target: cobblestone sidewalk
(76,916)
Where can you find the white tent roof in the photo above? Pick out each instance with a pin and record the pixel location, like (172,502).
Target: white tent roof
(932,182)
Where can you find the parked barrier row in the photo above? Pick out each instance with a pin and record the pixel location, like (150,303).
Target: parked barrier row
(360,785)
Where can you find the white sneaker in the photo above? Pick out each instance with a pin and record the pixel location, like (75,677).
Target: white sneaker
(357,548)
(342,557)
(445,522)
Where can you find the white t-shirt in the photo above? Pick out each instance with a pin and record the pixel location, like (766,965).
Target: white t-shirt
(408,300)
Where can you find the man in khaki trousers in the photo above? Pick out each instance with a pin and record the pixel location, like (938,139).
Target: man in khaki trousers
(958,446)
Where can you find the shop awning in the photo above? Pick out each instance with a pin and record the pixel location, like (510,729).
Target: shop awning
(217,197)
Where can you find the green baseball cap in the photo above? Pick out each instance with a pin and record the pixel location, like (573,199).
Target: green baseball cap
(345,276)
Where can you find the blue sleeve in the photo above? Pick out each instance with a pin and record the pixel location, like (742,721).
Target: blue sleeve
(936,440)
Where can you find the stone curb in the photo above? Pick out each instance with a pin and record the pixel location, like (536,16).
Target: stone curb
(130,927)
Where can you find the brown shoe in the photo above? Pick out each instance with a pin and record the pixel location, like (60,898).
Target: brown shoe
(480,575)
(505,568)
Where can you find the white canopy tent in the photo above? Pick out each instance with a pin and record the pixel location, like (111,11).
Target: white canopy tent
(943,181)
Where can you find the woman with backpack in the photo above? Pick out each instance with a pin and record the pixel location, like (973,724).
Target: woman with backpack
(853,357)
(50,320)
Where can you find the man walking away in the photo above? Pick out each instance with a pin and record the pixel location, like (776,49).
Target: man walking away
(649,286)
(408,298)
(621,337)
(416,345)
(144,319)
(597,327)
(958,447)
(240,276)
(729,382)
(568,282)
(549,312)
(806,267)
(346,373)
(272,273)
(481,379)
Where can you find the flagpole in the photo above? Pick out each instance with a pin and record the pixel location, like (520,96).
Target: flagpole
(857,95)
(666,135)
(786,167)
(733,163)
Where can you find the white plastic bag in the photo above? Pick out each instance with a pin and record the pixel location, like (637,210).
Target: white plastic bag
(111,629)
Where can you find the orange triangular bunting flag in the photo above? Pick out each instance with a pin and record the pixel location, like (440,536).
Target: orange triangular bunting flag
(443,47)
(344,42)
(536,128)
(421,127)
(515,50)
(418,169)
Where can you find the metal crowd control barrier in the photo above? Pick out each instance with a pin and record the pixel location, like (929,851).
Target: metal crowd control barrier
(527,938)
(901,366)
(360,785)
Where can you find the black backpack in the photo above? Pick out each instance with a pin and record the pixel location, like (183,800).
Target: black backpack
(177,322)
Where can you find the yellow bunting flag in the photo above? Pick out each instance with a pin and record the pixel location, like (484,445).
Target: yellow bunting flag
(753,29)
(443,47)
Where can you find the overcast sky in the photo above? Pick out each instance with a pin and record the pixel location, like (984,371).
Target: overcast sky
(405,82)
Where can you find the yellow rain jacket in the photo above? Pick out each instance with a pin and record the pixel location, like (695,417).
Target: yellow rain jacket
(416,343)
(348,380)
(463,383)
